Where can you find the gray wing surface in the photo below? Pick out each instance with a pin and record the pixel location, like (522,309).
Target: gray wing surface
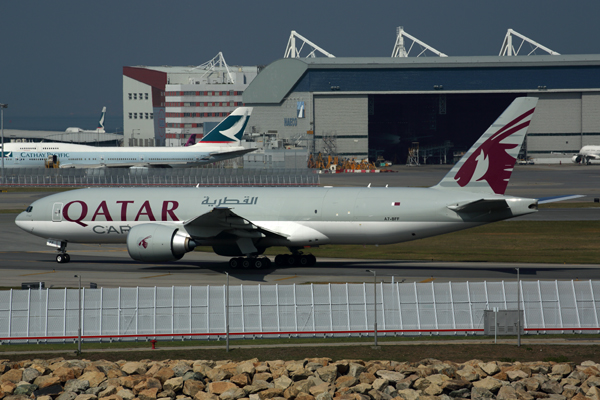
(222,221)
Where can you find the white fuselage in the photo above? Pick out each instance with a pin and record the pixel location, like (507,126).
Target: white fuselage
(302,216)
(77,156)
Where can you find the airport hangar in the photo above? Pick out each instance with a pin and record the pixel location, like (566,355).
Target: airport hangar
(355,107)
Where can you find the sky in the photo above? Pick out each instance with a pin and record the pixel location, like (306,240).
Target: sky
(65,58)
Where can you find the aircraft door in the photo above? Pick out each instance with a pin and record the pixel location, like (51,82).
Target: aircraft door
(57,212)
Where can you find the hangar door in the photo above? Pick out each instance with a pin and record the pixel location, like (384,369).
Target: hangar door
(341,125)
(564,122)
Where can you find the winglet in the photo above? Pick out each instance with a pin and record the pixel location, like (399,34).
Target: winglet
(488,165)
(231,129)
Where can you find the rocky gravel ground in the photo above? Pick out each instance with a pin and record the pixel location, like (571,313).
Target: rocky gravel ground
(308,379)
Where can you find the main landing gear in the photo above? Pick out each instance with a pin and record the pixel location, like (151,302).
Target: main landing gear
(249,262)
(303,260)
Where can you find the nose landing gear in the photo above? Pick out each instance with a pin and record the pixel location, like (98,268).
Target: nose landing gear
(61,247)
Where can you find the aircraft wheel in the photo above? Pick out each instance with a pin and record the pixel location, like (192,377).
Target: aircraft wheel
(303,260)
(67,258)
(280,259)
(61,258)
(266,262)
(246,262)
(312,260)
(290,259)
(258,263)
(234,263)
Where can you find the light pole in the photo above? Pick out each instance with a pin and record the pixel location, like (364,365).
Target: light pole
(518,308)
(79,317)
(374,303)
(2,107)
(227,314)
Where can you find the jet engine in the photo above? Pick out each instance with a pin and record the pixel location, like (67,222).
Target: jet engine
(576,159)
(156,242)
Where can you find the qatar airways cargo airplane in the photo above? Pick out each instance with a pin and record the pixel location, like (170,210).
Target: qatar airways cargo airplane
(162,224)
(221,143)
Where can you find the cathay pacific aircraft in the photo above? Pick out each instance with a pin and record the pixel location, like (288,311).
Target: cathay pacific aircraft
(162,224)
(221,143)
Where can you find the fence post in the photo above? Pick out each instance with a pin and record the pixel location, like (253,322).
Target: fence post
(314,312)
(330,308)
(452,306)
(295,310)
(154,322)
(348,305)
(137,309)
(277,303)
(10,308)
(541,304)
(575,301)
(399,306)
(46,319)
(435,305)
(470,305)
(101,311)
(260,313)
(417,307)
(65,314)
(594,303)
(382,306)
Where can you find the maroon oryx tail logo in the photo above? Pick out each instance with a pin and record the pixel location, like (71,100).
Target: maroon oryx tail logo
(491,161)
(143,243)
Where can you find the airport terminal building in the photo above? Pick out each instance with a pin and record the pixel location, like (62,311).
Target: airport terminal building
(361,107)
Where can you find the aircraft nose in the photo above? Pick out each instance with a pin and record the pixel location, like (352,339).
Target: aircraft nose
(22,221)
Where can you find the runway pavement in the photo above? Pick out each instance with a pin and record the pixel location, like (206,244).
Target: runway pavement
(26,258)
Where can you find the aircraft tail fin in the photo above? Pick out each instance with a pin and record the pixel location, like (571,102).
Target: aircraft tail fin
(191,141)
(101,121)
(231,129)
(488,165)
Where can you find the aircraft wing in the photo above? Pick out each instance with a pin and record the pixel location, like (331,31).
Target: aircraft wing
(222,221)
(218,155)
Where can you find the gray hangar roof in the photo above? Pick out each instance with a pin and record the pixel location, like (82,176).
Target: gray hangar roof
(422,75)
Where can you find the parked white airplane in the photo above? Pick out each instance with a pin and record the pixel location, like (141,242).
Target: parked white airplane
(99,129)
(162,224)
(587,154)
(221,143)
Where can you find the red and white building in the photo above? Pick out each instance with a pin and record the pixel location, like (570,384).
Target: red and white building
(164,106)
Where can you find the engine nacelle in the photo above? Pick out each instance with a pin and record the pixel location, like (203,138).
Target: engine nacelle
(576,159)
(156,242)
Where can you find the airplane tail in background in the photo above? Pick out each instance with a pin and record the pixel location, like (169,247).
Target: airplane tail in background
(191,141)
(488,165)
(101,122)
(231,129)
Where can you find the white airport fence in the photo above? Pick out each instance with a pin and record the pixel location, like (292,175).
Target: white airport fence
(198,312)
(69,177)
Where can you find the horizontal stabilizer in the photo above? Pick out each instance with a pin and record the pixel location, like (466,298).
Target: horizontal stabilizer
(481,205)
(554,199)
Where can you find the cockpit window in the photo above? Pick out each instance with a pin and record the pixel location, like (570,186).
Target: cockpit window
(29,209)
